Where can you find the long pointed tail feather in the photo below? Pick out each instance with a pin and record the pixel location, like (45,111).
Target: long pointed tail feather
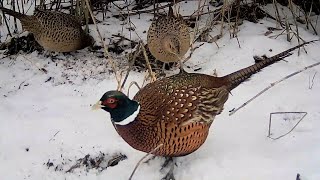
(236,78)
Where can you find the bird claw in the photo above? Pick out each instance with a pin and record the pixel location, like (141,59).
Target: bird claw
(169,176)
(169,161)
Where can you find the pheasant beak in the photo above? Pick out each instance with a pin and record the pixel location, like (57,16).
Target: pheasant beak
(97,106)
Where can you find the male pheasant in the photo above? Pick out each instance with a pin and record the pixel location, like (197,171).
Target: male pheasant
(54,31)
(168,38)
(175,112)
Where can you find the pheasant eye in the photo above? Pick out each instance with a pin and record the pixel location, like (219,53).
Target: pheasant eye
(110,102)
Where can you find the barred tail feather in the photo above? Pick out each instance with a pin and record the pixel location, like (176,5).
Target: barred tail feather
(236,78)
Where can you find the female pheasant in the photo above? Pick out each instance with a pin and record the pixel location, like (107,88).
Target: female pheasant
(54,31)
(168,38)
(175,111)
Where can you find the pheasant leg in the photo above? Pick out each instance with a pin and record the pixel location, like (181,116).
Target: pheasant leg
(169,162)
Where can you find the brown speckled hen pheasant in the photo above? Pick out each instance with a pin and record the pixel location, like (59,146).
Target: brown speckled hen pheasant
(54,31)
(175,111)
(168,38)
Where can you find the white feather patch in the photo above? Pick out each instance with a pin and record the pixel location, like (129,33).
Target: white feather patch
(129,119)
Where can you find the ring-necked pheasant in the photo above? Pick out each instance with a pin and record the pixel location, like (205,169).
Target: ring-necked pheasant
(175,111)
(54,31)
(168,38)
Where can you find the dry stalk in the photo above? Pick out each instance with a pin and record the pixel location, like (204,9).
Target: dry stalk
(135,168)
(7,24)
(144,11)
(14,18)
(22,7)
(196,31)
(289,31)
(153,78)
(308,21)
(211,21)
(130,85)
(140,46)
(106,53)
(294,19)
(192,49)
(84,9)
(229,20)
(198,12)
(223,9)
(270,119)
(277,15)
(311,81)
(236,26)
(271,85)
(131,63)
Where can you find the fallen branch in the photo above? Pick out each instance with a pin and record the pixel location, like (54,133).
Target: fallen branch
(271,85)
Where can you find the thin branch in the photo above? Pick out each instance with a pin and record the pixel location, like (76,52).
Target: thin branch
(192,49)
(135,168)
(311,81)
(130,85)
(271,85)
(153,78)
(54,135)
(106,53)
(131,63)
(144,11)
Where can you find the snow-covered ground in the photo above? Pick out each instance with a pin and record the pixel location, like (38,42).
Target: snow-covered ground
(46,117)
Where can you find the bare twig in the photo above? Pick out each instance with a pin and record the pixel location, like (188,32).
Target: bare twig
(54,135)
(277,15)
(144,11)
(294,19)
(131,63)
(135,168)
(122,37)
(222,16)
(6,22)
(311,81)
(271,85)
(131,84)
(106,53)
(153,78)
(270,119)
(192,49)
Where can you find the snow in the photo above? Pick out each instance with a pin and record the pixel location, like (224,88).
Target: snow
(50,113)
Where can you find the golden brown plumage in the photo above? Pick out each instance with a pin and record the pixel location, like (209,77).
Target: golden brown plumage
(54,31)
(168,38)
